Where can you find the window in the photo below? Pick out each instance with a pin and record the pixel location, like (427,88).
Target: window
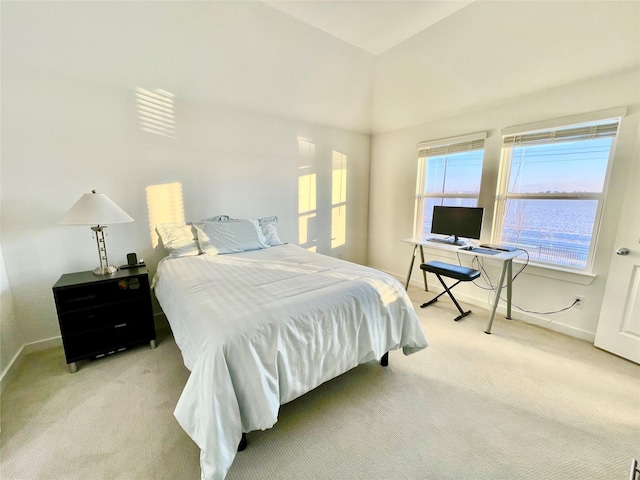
(551,191)
(449,174)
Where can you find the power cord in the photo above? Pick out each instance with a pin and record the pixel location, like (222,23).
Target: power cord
(491,287)
(546,313)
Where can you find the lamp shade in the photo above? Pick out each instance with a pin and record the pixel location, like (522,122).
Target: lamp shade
(94,209)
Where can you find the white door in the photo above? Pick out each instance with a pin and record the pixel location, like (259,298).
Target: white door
(619,324)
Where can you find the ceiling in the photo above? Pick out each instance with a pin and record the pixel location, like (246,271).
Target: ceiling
(372,25)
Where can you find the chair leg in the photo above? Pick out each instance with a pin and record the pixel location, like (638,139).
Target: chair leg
(462,315)
(447,290)
(435,299)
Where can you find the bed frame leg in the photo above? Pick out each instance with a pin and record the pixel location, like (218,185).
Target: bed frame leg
(384,361)
(243,442)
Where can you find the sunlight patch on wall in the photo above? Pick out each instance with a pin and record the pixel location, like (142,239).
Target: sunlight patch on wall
(306,207)
(338,199)
(165,204)
(307,151)
(155,110)
(307,195)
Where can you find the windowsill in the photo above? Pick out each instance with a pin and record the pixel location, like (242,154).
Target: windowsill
(536,269)
(555,272)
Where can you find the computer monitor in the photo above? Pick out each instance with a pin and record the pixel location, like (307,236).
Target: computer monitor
(457,222)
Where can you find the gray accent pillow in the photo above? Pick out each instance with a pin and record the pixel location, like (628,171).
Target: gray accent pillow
(269,227)
(217,218)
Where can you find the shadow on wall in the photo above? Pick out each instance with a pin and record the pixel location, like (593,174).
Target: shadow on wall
(165,203)
(322,183)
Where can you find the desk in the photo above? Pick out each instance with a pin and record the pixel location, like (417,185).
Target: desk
(505,257)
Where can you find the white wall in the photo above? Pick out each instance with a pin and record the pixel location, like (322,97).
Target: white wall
(248,82)
(10,342)
(393,178)
(489,66)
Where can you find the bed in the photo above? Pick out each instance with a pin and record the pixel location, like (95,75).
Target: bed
(262,327)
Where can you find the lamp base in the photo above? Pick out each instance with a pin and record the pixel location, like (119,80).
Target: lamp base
(108,270)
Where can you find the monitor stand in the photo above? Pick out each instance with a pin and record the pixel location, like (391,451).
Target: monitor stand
(448,241)
(457,241)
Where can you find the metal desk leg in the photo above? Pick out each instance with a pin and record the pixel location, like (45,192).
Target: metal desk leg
(509,285)
(424,274)
(497,299)
(413,259)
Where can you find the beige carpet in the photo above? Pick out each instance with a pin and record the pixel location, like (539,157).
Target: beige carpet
(523,403)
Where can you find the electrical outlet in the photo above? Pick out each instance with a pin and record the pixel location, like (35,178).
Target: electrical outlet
(579,301)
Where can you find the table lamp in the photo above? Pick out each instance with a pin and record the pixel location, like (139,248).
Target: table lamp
(97,210)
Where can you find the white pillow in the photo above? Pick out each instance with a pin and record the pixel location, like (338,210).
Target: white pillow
(231,236)
(269,227)
(217,218)
(178,239)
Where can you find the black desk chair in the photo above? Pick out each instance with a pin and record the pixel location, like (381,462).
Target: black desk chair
(461,274)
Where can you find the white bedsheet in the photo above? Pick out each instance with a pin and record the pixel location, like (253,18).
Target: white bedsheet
(258,329)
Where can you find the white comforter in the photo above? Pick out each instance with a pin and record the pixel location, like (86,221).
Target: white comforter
(258,329)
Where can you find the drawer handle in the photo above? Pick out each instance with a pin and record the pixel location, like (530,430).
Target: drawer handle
(82,299)
(120,325)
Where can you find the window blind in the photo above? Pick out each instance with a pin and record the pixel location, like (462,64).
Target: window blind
(446,146)
(585,132)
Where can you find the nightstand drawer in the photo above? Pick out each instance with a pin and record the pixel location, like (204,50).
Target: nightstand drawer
(86,319)
(83,296)
(105,340)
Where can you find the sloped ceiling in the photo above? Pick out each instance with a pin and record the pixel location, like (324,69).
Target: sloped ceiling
(438,59)
(489,53)
(374,26)
(229,54)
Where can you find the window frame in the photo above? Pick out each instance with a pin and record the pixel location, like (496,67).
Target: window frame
(502,187)
(439,147)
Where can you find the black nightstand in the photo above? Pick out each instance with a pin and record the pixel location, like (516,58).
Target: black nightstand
(103,314)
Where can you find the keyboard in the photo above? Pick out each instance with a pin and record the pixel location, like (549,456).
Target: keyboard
(502,248)
(486,251)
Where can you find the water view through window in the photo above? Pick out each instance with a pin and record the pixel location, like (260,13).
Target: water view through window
(552,231)
(551,196)
(549,191)
(552,199)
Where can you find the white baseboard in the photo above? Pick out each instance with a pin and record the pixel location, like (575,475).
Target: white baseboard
(516,314)
(12,369)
